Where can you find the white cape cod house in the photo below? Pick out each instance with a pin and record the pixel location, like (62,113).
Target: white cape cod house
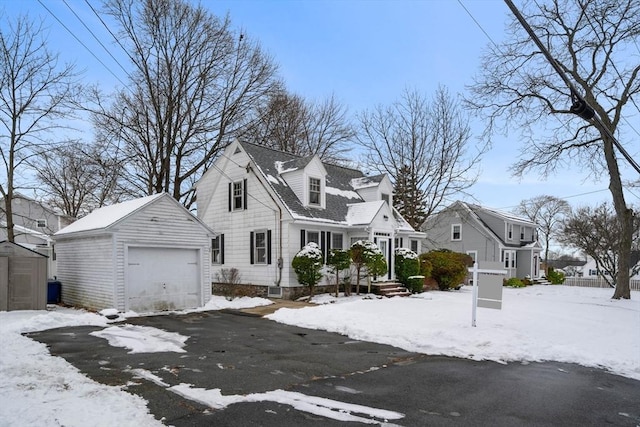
(266,204)
(487,234)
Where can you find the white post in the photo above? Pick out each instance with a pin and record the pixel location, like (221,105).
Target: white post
(474,305)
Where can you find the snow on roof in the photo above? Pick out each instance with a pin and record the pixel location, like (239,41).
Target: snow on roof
(29,231)
(366,181)
(342,193)
(363,213)
(505,215)
(105,216)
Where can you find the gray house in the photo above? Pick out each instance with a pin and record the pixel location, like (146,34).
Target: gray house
(147,254)
(487,235)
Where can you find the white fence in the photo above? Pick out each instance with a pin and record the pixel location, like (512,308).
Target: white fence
(584,282)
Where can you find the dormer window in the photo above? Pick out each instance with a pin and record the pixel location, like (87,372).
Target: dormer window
(509,231)
(314,191)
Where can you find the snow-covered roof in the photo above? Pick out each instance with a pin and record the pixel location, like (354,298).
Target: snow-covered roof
(104,217)
(363,213)
(507,216)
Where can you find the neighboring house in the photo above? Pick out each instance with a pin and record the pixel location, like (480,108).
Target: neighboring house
(32,215)
(268,204)
(147,254)
(34,224)
(591,270)
(569,267)
(487,235)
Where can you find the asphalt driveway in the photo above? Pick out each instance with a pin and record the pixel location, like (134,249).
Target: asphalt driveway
(243,354)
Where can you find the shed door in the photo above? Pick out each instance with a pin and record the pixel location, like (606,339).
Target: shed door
(162,279)
(27,284)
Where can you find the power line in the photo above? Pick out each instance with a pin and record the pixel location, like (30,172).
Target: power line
(80,41)
(96,38)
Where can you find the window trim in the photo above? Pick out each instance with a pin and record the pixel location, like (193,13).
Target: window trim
(220,250)
(256,249)
(473,254)
(453,233)
(511,261)
(509,230)
(311,190)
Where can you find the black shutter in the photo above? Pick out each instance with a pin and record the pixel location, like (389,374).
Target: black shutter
(230,195)
(302,236)
(329,244)
(323,245)
(251,247)
(401,245)
(268,246)
(244,193)
(222,249)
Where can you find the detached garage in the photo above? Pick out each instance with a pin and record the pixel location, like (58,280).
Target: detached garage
(143,255)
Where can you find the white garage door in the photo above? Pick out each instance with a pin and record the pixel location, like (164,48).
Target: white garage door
(162,279)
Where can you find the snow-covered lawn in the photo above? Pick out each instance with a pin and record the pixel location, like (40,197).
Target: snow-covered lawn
(537,323)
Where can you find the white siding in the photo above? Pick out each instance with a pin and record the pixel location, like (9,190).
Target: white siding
(161,224)
(261,214)
(86,271)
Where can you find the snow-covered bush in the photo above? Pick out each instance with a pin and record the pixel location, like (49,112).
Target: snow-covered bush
(366,254)
(407,266)
(308,265)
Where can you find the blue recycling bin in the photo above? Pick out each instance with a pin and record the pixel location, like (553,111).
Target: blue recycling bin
(54,292)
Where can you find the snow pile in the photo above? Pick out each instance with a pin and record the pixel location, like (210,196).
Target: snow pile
(222,303)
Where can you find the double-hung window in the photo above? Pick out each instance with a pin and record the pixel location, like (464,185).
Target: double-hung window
(237,195)
(217,248)
(456,232)
(314,191)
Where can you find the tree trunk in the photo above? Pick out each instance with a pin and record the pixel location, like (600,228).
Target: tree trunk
(625,217)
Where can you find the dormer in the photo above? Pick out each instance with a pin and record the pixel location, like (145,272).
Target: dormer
(372,188)
(307,177)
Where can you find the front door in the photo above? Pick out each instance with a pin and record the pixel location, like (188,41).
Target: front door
(385,246)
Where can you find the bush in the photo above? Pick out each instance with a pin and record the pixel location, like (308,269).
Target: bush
(407,266)
(339,260)
(366,254)
(308,265)
(514,282)
(448,268)
(555,277)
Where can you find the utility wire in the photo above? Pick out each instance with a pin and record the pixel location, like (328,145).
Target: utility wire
(80,41)
(96,38)
(574,92)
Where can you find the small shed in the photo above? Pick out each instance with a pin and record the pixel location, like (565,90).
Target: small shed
(23,278)
(143,255)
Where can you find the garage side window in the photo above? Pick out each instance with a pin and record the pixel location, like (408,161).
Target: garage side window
(260,244)
(217,249)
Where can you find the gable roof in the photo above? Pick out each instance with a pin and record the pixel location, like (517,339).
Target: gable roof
(474,212)
(108,215)
(339,191)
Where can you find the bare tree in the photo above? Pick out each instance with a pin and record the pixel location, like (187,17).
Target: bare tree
(193,86)
(547,212)
(290,123)
(34,91)
(79,178)
(425,141)
(590,41)
(596,232)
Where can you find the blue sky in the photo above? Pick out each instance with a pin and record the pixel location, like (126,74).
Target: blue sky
(364,52)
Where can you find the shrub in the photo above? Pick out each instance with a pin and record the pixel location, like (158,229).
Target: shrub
(555,277)
(366,254)
(448,268)
(514,282)
(339,260)
(308,265)
(407,265)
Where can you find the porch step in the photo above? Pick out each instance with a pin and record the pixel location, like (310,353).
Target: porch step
(541,281)
(390,289)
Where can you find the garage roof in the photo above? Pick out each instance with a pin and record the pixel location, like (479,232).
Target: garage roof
(104,217)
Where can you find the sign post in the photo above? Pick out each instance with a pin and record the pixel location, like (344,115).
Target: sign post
(490,294)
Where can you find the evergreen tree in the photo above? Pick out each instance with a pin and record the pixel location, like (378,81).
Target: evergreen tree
(408,199)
